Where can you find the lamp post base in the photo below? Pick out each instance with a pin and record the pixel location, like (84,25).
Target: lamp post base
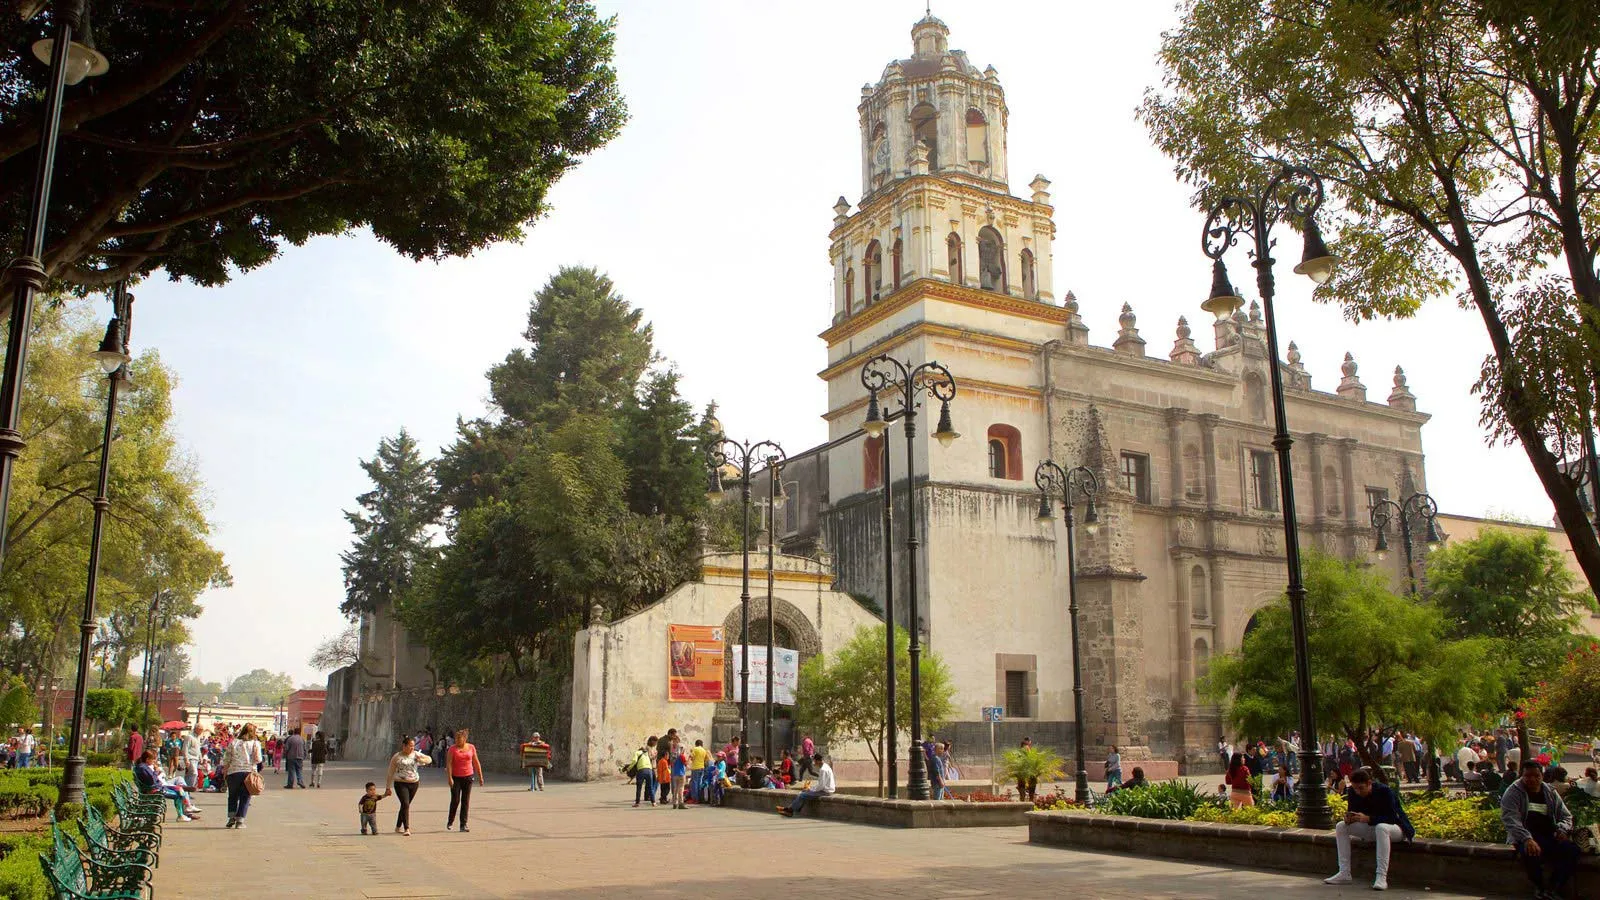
(72,790)
(1313,810)
(917,786)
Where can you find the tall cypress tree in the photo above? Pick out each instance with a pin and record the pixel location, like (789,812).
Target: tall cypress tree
(391,527)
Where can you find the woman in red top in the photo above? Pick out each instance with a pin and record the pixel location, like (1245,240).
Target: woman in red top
(1238,781)
(462,759)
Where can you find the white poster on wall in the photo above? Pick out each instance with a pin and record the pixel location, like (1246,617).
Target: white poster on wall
(787,669)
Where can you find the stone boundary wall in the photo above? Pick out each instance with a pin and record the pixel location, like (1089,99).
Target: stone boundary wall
(1457,865)
(890,813)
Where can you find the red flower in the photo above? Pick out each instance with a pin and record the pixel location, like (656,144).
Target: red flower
(1521,714)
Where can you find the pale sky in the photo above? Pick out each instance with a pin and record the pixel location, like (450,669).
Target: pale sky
(711,211)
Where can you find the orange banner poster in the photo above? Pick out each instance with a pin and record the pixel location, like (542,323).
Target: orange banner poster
(694,662)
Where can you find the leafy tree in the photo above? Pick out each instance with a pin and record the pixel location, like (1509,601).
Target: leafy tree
(109,705)
(1461,143)
(227,127)
(157,536)
(840,696)
(260,687)
(195,689)
(391,528)
(1565,704)
(1376,659)
(343,649)
(1514,588)
(17,709)
(581,491)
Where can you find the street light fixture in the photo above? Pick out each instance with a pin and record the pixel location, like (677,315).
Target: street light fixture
(725,451)
(1294,193)
(1080,481)
(884,374)
(26,272)
(115,346)
(1418,506)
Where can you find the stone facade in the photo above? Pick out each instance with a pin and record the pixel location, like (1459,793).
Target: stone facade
(940,262)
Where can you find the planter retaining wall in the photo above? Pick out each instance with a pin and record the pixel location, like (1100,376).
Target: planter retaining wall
(891,813)
(1422,863)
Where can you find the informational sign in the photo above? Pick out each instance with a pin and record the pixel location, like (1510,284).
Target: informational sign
(787,669)
(993,713)
(694,663)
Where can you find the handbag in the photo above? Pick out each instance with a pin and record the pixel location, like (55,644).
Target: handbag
(252,783)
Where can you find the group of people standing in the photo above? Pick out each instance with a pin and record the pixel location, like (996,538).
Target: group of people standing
(667,769)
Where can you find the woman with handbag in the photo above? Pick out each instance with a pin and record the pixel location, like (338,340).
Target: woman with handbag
(403,781)
(244,781)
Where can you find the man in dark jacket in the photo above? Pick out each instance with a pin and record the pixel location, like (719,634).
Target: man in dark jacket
(1539,825)
(1374,814)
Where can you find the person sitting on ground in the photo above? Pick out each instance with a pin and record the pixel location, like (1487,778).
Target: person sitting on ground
(1590,782)
(1539,825)
(756,776)
(1472,778)
(1374,813)
(1283,787)
(1137,781)
(786,769)
(824,786)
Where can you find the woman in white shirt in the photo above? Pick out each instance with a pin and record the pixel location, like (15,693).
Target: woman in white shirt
(241,760)
(403,780)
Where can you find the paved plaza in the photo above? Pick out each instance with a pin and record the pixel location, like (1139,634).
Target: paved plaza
(586,840)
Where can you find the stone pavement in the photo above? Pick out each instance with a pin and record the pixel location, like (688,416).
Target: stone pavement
(586,840)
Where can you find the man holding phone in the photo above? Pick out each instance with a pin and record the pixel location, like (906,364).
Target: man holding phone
(1375,814)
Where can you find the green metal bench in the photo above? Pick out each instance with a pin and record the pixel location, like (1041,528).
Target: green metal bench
(109,845)
(130,818)
(71,878)
(131,806)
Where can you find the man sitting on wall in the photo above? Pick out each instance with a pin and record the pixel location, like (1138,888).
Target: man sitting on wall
(1539,825)
(823,787)
(1374,814)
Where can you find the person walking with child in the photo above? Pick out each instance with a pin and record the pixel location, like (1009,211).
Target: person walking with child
(403,781)
(369,808)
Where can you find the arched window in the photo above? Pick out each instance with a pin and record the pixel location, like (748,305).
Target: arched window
(977,140)
(850,295)
(872,269)
(1194,474)
(1005,452)
(1199,593)
(898,256)
(952,245)
(1255,397)
(991,260)
(925,128)
(1202,658)
(872,462)
(1030,284)
(1332,491)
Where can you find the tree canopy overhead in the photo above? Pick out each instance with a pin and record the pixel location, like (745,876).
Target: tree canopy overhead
(1461,143)
(225,128)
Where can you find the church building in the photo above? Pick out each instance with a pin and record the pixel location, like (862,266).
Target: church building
(937,259)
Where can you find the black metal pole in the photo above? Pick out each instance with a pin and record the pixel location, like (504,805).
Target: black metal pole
(917,787)
(744,607)
(1313,811)
(1081,778)
(72,787)
(1384,511)
(892,752)
(772,628)
(26,272)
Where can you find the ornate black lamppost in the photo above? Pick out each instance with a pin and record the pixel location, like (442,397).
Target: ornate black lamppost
(113,357)
(1296,194)
(772,627)
(886,375)
(1080,481)
(1415,508)
(892,753)
(70,62)
(744,456)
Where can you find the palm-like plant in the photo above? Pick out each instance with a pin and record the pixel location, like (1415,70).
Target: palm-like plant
(1032,764)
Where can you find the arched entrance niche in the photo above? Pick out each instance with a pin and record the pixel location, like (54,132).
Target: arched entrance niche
(792,629)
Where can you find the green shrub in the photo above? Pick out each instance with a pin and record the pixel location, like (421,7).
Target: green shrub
(1462,819)
(1161,800)
(1247,815)
(21,878)
(1585,809)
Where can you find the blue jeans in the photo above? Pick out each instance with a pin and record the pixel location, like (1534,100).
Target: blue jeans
(238,797)
(644,783)
(293,768)
(799,802)
(535,778)
(24,760)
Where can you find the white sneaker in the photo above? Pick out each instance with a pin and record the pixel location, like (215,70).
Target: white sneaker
(1381,883)
(1338,878)
(185,819)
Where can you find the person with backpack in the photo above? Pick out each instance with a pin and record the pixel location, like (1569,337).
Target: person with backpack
(643,770)
(1374,814)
